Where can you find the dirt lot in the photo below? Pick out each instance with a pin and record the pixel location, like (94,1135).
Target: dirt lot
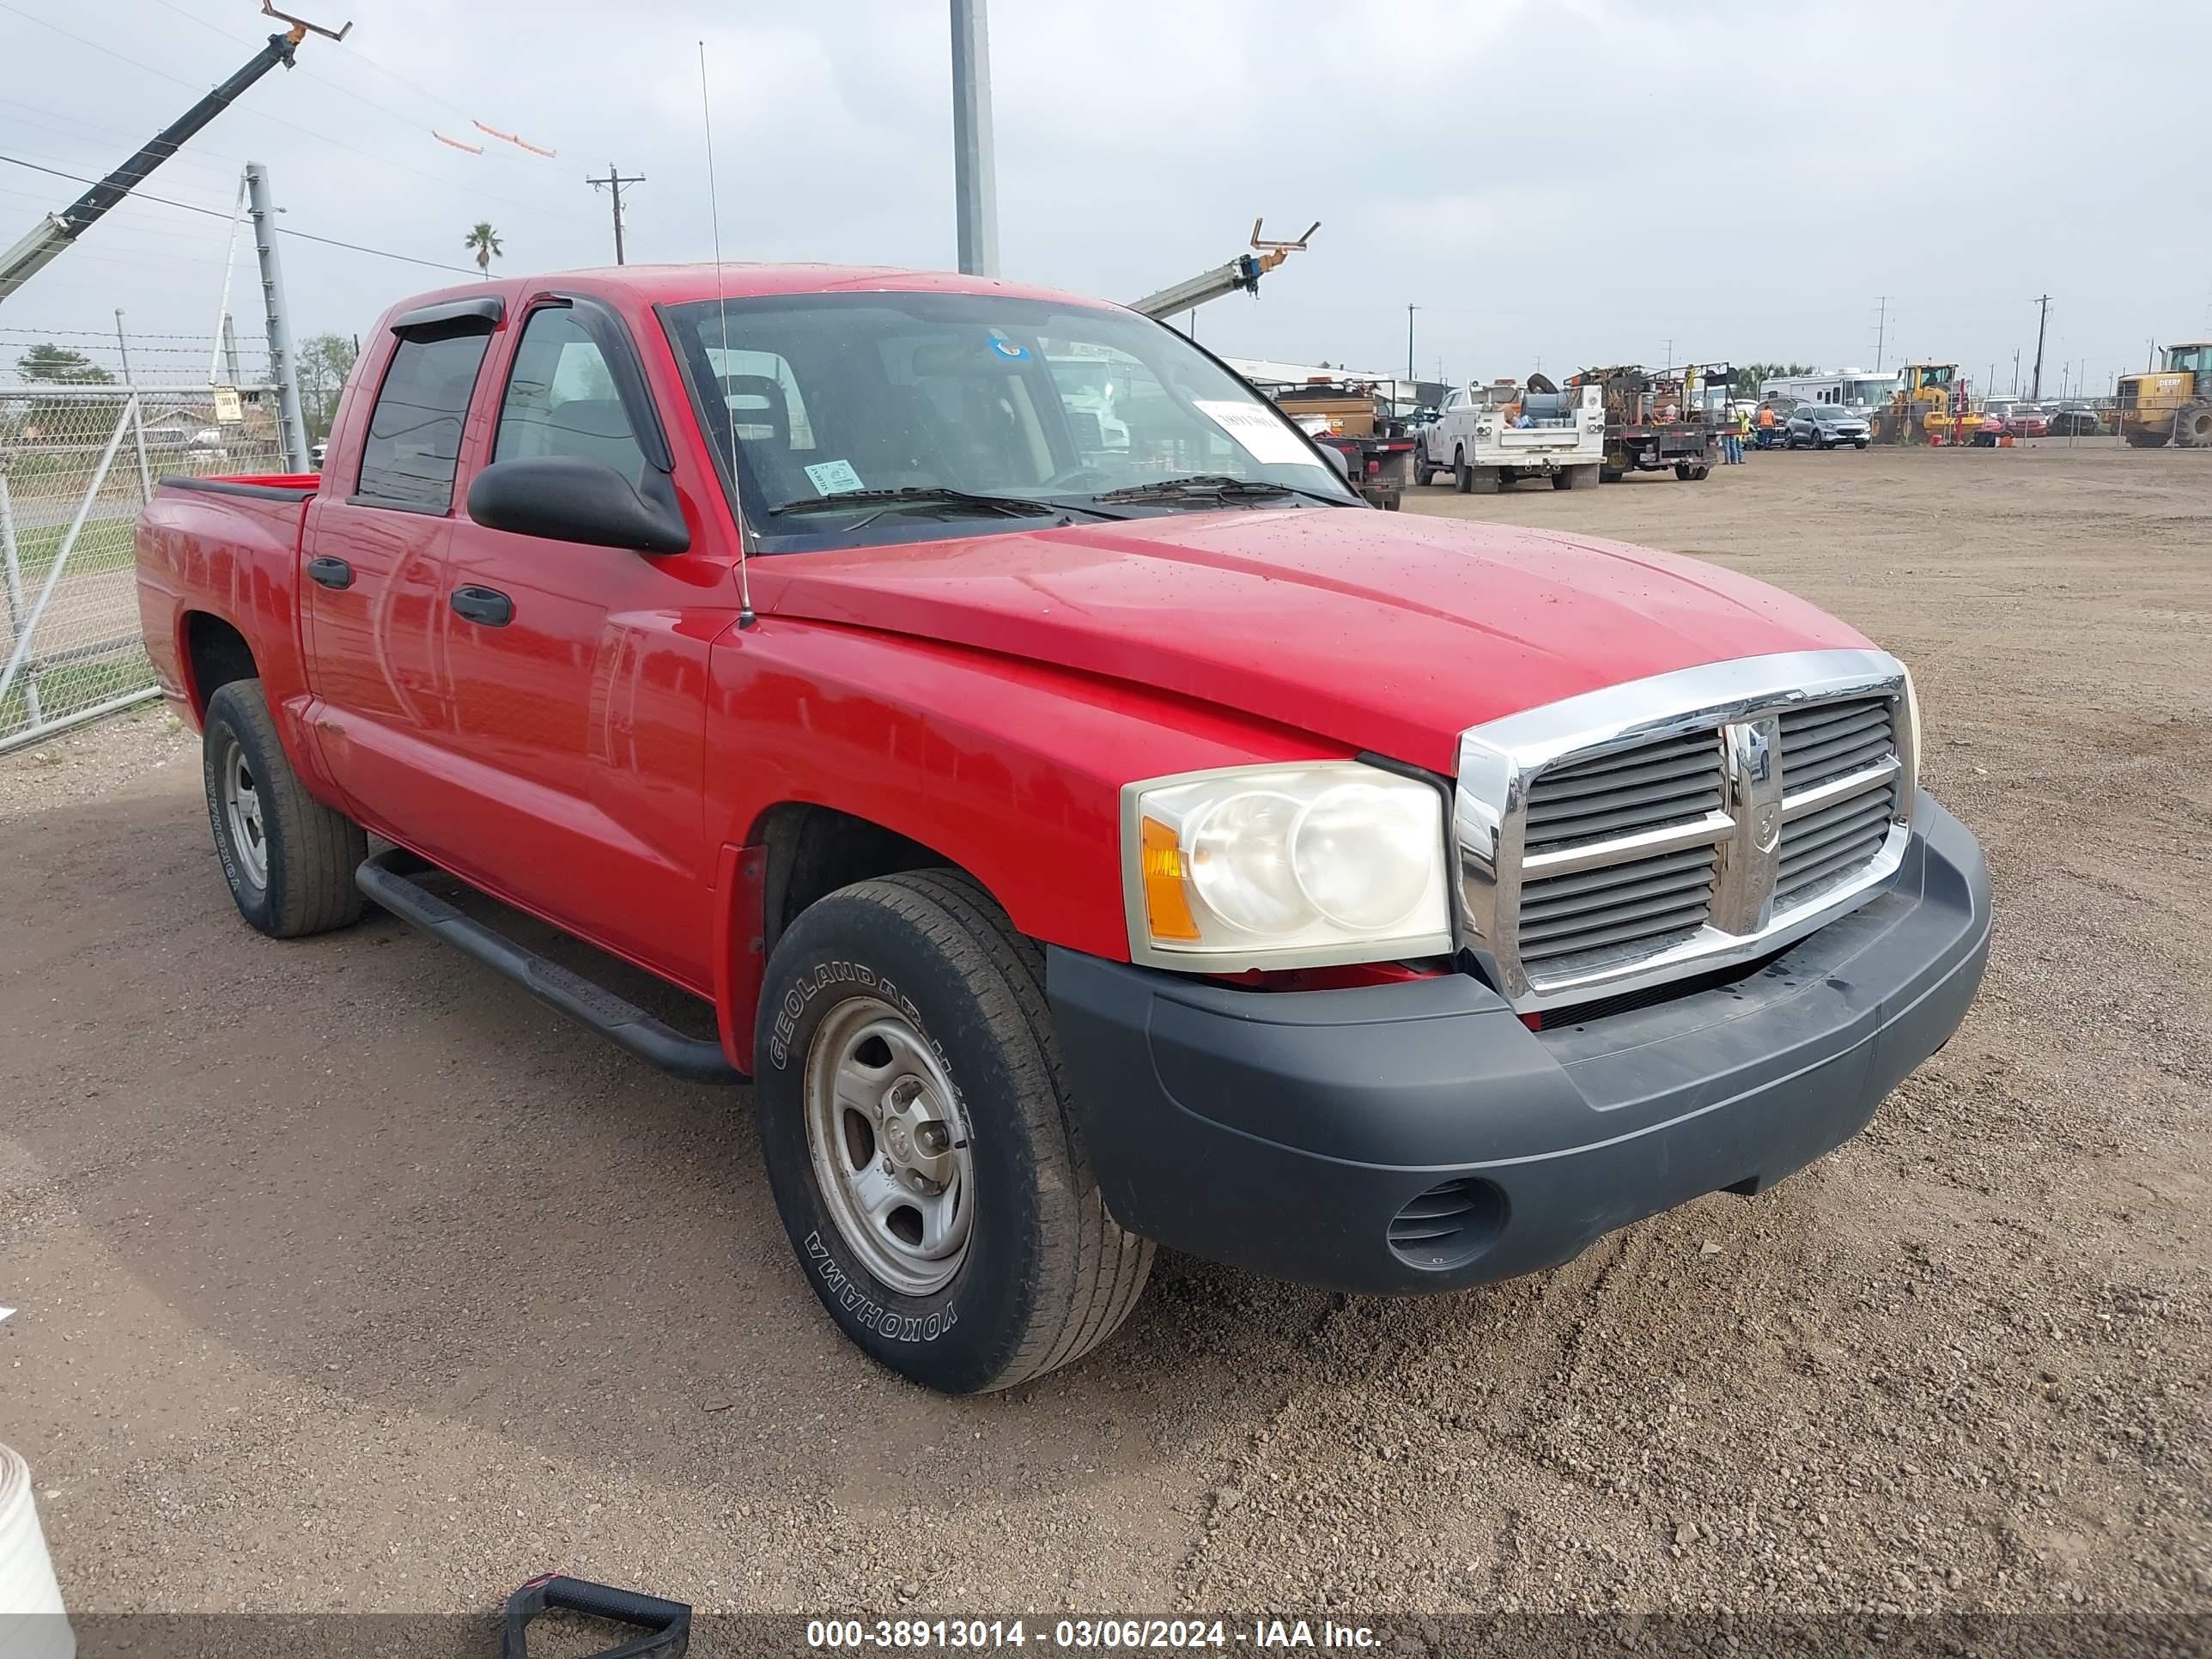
(348,1277)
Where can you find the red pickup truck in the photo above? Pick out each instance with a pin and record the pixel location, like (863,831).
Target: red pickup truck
(1085,836)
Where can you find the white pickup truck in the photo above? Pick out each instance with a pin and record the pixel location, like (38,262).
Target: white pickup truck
(1488,436)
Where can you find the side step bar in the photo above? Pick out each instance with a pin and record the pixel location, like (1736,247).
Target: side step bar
(386,878)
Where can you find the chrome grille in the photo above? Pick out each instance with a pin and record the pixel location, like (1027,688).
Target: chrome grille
(1831,842)
(1625,793)
(1659,829)
(1831,740)
(1831,830)
(1616,910)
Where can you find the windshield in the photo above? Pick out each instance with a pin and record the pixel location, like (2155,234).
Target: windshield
(1939,375)
(1868,392)
(836,394)
(2192,359)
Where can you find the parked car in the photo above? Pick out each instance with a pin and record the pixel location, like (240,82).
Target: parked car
(2016,419)
(1825,425)
(1077,849)
(2074,421)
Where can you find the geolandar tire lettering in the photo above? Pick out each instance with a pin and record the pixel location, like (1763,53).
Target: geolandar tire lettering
(920,1143)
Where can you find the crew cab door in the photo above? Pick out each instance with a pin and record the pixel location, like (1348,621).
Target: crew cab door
(373,562)
(578,674)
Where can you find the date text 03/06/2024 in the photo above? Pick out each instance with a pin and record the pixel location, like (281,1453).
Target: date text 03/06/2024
(1163,1635)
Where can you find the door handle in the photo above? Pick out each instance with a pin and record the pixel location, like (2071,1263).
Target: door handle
(330,573)
(487,605)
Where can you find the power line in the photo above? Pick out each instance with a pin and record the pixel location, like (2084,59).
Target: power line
(219,213)
(339,143)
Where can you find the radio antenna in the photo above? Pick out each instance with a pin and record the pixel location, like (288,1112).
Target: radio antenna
(745,617)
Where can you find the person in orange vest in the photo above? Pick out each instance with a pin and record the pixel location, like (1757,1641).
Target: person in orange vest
(1766,426)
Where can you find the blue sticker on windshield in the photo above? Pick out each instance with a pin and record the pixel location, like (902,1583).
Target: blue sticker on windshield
(1007,348)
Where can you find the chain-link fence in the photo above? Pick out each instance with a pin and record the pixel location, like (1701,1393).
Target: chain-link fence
(79,458)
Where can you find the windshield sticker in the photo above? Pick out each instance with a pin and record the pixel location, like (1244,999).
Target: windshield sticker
(834,477)
(1260,434)
(1012,349)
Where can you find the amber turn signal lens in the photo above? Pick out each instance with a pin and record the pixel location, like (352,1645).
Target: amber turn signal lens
(1167,907)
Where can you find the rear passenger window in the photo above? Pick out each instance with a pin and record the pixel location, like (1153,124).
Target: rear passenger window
(415,429)
(561,400)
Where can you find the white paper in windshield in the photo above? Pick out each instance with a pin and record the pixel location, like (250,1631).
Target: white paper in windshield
(1260,432)
(834,477)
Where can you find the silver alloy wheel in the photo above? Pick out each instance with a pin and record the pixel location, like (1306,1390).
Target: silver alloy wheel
(241,810)
(890,1145)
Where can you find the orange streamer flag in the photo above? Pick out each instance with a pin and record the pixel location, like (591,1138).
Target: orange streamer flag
(473,149)
(519,143)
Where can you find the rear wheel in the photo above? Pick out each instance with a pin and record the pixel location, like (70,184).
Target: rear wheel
(914,1116)
(1462,478)
(2192,426)
(290,859)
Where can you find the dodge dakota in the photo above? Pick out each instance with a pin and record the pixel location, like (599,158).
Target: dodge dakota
(1081,842)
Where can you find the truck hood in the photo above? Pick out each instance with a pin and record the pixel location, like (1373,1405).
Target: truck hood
(1386,632)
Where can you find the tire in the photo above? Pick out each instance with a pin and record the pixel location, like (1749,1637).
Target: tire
(927,964)
(1691,472)
(1609,475)
(290,859)
(2192,425)
(1682,470)
(1563,478)
(1859,443)
(1462,475)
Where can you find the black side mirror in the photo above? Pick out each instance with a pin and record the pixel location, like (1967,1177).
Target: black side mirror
(565,498)
(1338,460)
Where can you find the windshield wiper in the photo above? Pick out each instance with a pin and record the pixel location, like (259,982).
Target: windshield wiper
(893,500)
(1217,485)
(914,495)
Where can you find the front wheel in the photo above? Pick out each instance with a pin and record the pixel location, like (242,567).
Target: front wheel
(288,859)
(915,1117)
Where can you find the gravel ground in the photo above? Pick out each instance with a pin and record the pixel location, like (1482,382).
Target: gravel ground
(348,1278)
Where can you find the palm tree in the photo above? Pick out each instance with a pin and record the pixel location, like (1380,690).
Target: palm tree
(485,241)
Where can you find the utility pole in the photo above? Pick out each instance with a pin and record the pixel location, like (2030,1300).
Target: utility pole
(284,361)
(614,182)
(2015,372)
(1410,375)
(974,175)
(1881,331)
(2035,389)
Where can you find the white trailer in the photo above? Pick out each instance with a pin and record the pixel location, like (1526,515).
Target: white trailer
(1853,388)
(1488,436)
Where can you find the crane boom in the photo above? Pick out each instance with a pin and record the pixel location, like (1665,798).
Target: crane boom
(1239,275)
(53,235)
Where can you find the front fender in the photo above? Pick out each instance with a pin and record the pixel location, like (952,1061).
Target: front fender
(1011,769)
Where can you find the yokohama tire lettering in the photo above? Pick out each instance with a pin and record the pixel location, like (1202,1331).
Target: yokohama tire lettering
(867,1312)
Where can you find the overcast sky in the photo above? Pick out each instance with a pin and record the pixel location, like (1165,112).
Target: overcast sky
(1566,182)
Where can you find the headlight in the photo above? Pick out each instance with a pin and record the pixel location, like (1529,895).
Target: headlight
(1284,867)
(1912,719)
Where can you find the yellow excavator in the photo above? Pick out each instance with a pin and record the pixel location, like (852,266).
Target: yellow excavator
(2171,404)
